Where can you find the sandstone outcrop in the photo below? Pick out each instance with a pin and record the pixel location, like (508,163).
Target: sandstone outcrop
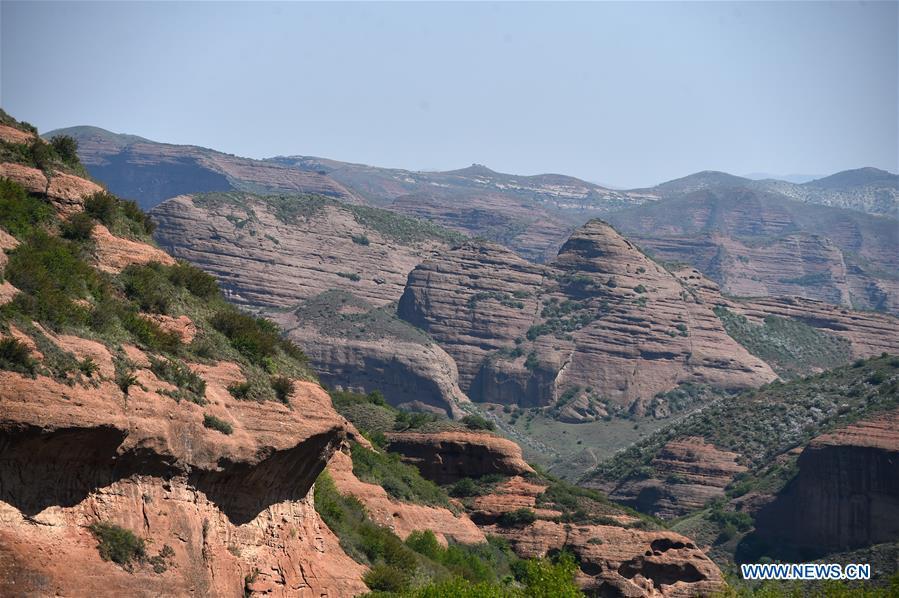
(263,259)
(65,191)
(445,457)
(600,319)
(868,333)
(402,518)
(617,561)
(755,243)
(234,510)
(113,254)
(846,494)
(693,472)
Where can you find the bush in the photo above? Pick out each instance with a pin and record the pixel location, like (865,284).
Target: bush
(102,206)
(148,332)
(77,228)
(517,518)
(20,213)
(214,423)
(192,386)
(361,240)
(118,544)
(197,282)
(50,275)
(66,147)
(476,422)
(255,338)
(148,286)
(386,578)
(112,211)
(400,480)
(15,356)
(283,387)
(240,390)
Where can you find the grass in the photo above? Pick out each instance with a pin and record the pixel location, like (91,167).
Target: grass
(21,214)
(190,386)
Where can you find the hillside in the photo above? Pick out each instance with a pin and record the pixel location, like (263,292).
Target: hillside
(740,483)
(759,244)
(150,172)
(867,190)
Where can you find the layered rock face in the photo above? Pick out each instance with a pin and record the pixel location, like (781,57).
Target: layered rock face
(868,333)
(616,561)
(226,506)
(696,472)
(264,256)
(400,517)
(846,494)
(601,316)
(755,243)
(447,457)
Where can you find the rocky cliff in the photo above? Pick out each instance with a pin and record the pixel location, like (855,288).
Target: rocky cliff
(600,320)
(846,493)
(759,244)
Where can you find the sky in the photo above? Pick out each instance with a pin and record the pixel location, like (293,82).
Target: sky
(626,94)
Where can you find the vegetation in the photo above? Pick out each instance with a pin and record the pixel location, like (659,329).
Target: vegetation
(477,422)
(118,544)
(401,481)
(791,347)
(214,423)
(517,518)
(283,387)
(78,227)
(15,356)
(373,416)
(123,217)
(21,214)
(256,338)
(190,386)
(421,567)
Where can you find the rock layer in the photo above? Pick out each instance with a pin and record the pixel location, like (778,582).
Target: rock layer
(600,316)
(446,457)
(846,494)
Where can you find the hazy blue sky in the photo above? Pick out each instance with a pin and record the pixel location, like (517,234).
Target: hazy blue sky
(628,94)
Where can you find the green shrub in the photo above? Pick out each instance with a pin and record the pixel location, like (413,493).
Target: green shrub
(102,206)
(255,338)
(78,227)
(350,276)
(51,275)
(386,578)
(197,282)
(639,289)
(66,147)
(148,332)
(400,480)
(476,422)
(20,213)
(361,240)
(517,518)
(220,425)
(410,420)
(148,286)
(118,544)
(15,356)
(88,367)
(241,390)
(283,387)
(191,386)
(120,215)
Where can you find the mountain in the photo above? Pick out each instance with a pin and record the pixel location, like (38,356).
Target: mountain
(756,243)
(531,214)
(150,172)
(157,440)
(808,476)
(867,190)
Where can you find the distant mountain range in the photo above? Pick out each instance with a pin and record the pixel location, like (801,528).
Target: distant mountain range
(533,215)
